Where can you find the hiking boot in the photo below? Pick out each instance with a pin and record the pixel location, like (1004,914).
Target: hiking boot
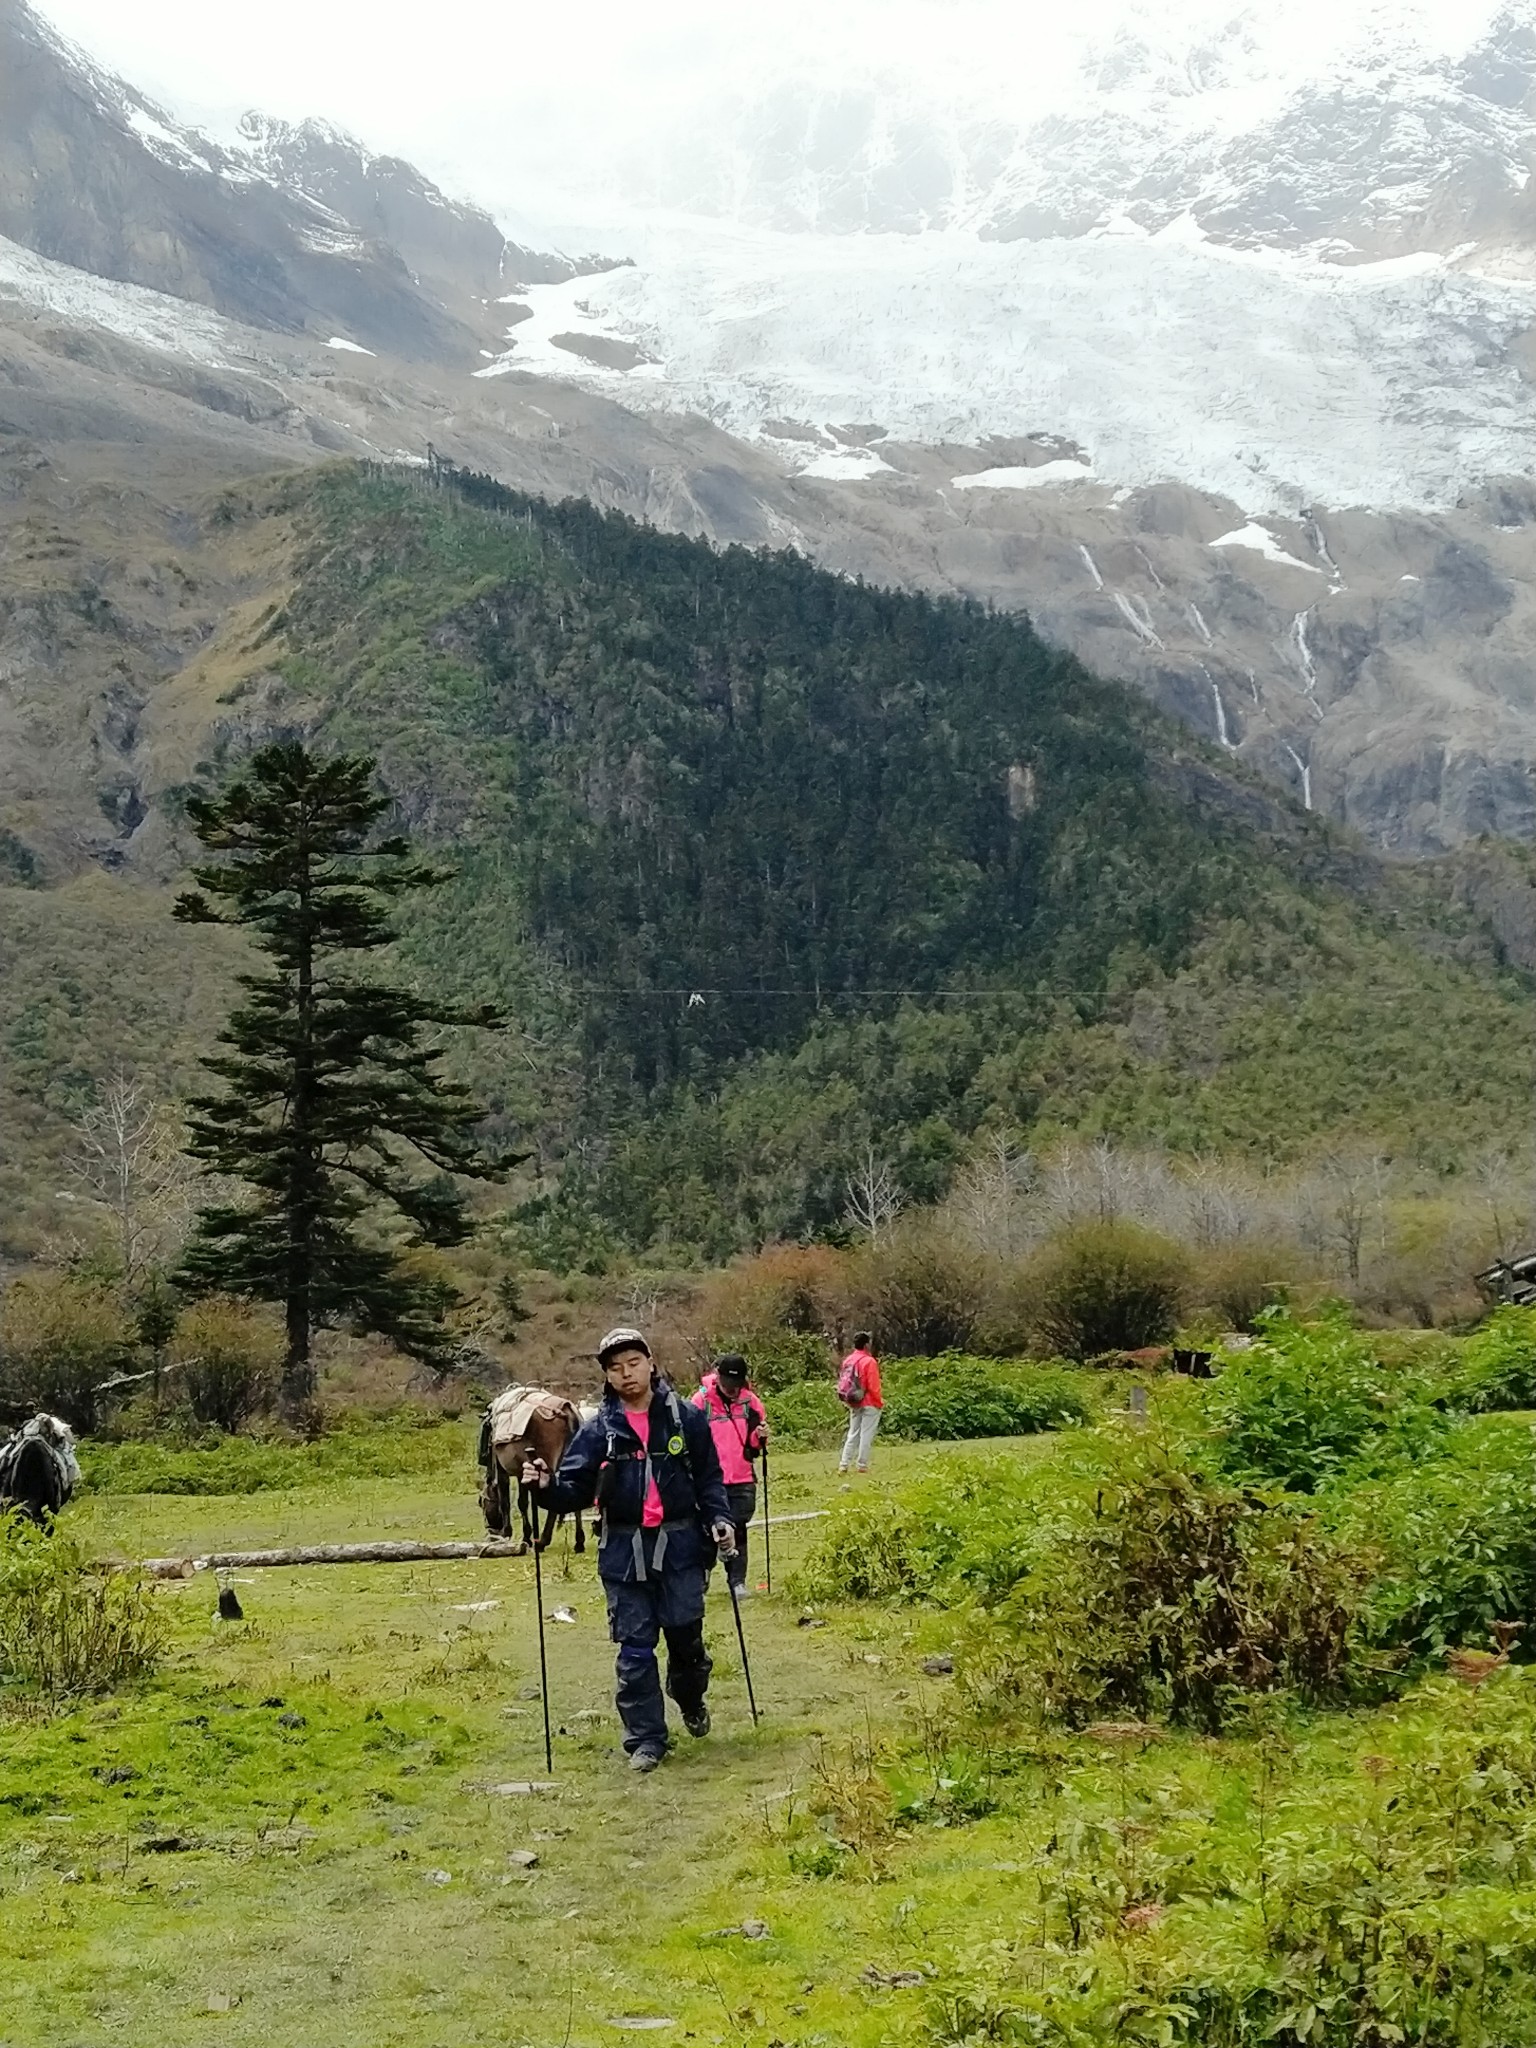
(697,1723)
(644,1760)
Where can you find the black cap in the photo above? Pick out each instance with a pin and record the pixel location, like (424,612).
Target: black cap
(730,1365)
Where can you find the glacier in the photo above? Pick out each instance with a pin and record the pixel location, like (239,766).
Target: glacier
(1281,382)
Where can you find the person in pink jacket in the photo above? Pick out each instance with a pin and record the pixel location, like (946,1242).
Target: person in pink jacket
(858,1388)
(740,1430)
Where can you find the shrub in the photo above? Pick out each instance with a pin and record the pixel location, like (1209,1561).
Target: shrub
(1108,1287)
(403,1443)
(1497,1364)
(1383,1899)
(1309,1401)
(779,1358)
(966,1527)
(230,1356)
(1453,1536)
(1177,1596)
(807,1416)
(66,1628)
(775,1308)
(921,1293)
(61,1338)
(954,1397)
(1242,1280)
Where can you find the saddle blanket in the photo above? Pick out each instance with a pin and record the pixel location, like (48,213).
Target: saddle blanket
(513,1412)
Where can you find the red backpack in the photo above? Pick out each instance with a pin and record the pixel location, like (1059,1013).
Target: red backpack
(850,1382)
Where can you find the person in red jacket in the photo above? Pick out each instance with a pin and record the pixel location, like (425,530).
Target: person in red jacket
(858,1388)
(740,1430)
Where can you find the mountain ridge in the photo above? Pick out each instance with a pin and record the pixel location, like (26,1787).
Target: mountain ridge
(96,175)
(921,872)
(1156,447)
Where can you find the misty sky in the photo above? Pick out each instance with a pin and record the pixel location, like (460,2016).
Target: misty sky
(518,103)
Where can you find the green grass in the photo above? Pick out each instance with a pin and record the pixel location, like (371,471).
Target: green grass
(395,1446)
(303,1887)
(321,1764)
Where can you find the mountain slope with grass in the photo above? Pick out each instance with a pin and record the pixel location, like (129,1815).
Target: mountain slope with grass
(770,867)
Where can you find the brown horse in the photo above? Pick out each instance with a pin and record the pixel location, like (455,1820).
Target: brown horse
(522,1424)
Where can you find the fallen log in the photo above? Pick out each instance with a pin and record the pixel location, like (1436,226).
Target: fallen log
(325,1553)
(351,1553)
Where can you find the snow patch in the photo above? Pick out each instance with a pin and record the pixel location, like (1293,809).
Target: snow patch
(1263,542)
(1062,471)
(844,465)
(353,348)
(1091,566)
(167,143)
(151,318)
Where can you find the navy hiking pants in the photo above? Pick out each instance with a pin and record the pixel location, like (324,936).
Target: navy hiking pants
(669,1603)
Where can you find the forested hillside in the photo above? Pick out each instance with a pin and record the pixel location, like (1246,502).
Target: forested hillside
(770,867)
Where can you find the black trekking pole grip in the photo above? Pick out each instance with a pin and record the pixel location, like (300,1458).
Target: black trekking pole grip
(538,1587)
(746,1662)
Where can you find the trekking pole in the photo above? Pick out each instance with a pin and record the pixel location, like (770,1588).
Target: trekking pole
(538,1587)
(767,1523)
(746,1666)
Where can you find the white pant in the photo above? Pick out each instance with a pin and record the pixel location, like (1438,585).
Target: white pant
(862,1424)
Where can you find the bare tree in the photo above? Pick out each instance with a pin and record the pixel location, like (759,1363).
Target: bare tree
(1502,1181)
(1355,1186)
(129,1163)
(1215,1202)
(874,1198)
(990,1202)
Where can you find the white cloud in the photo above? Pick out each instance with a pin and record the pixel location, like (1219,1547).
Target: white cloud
(501,100)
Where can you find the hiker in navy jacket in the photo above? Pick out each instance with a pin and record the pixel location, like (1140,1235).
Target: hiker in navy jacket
(648,1462)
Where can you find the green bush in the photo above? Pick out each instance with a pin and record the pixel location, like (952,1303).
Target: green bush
(780,1358)
(1455,1538)
(229,1359)
(65,1627)
(807,1416)
(966,1527)
(61,1337)
(1496,1367)
(1108,1287)
(1239,1281)
(1309,1402)
(1383,1901)
(921,1293)
(953,1397)
(401,1444)
(1177,1596)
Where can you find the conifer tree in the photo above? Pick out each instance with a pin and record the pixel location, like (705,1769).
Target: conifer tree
(332,1095)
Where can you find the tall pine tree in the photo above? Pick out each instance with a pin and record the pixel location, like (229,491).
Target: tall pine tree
(332,1097)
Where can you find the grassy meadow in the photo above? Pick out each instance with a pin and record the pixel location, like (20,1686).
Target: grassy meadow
(293,1833)
(341,1874)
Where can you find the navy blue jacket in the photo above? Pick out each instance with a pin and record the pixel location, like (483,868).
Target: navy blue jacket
(604,1466)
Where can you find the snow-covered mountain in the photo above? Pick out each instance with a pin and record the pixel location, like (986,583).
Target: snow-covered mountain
(292,229)
(1397,131)
(1216,352)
